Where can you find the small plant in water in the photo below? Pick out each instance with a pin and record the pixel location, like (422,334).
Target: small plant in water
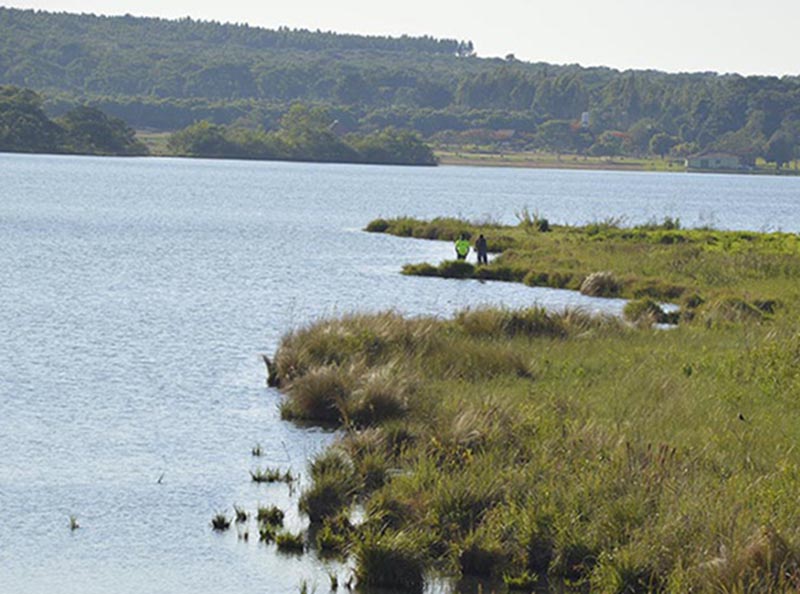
(266,533)
(271,475)
(290,542)
(220,522)
(241,514)
(256,450)
(334,581)
(272,516)
(73,523)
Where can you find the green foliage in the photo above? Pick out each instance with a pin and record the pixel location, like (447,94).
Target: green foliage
(305,134)
(290,542)
(24,127)
(167,75)
(391,560)
(334,484)
(90,131)
(271,516)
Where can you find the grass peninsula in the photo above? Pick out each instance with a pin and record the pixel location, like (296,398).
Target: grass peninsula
(536,449)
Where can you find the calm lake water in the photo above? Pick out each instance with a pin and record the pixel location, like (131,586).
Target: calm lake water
(136,295)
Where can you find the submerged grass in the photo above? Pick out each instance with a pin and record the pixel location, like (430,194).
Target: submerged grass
(562,446)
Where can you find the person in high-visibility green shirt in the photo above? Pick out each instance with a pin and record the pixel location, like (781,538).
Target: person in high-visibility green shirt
(462,247)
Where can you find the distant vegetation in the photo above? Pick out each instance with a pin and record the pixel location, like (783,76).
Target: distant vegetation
(707,271)
(305,134)
(166,75)
(24,127)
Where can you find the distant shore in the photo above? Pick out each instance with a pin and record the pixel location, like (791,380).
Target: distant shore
(535,160)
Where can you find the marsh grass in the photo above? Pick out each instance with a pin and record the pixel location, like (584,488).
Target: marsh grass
(270,515)
(290,542)
(73,523)
(566,446)
(333,487)
(241,514)
(220,522)
(391,560)
(659,260)
(271,475)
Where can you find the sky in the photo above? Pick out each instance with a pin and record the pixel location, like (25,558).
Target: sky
(676,36)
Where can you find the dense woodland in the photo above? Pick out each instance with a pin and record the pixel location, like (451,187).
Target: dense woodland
(165,75)
(24,127)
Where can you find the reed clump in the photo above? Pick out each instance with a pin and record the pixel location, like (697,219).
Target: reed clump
(290,542)
(391,560)
(270,515)
(220,522)
(333,487)
(271,475)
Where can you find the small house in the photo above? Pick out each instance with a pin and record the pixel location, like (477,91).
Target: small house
(713,161)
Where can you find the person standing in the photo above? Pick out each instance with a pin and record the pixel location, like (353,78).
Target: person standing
(462,247)
(480,247)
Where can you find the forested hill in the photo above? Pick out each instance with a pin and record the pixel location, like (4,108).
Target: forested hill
(163,74)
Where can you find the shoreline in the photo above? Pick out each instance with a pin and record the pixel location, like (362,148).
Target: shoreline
(577,162)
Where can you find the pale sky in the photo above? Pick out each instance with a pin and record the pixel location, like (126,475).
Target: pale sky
(676,35)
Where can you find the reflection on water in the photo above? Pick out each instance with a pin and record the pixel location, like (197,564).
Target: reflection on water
(137,295)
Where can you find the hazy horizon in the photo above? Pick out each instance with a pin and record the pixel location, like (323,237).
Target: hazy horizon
(720,36)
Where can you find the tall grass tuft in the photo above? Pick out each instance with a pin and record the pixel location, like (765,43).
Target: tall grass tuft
(220,522)
(318,395)
(601,284)
(391,560)
(290,542)
(333,487)
(270,515)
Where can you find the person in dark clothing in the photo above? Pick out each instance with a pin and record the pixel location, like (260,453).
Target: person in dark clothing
(480,247)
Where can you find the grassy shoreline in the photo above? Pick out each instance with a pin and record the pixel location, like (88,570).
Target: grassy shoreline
(542,160)
(539,449)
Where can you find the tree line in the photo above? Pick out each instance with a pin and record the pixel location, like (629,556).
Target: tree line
(305,134)
(24,127)
(166,75)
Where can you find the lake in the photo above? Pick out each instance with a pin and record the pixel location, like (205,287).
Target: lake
(137,294)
